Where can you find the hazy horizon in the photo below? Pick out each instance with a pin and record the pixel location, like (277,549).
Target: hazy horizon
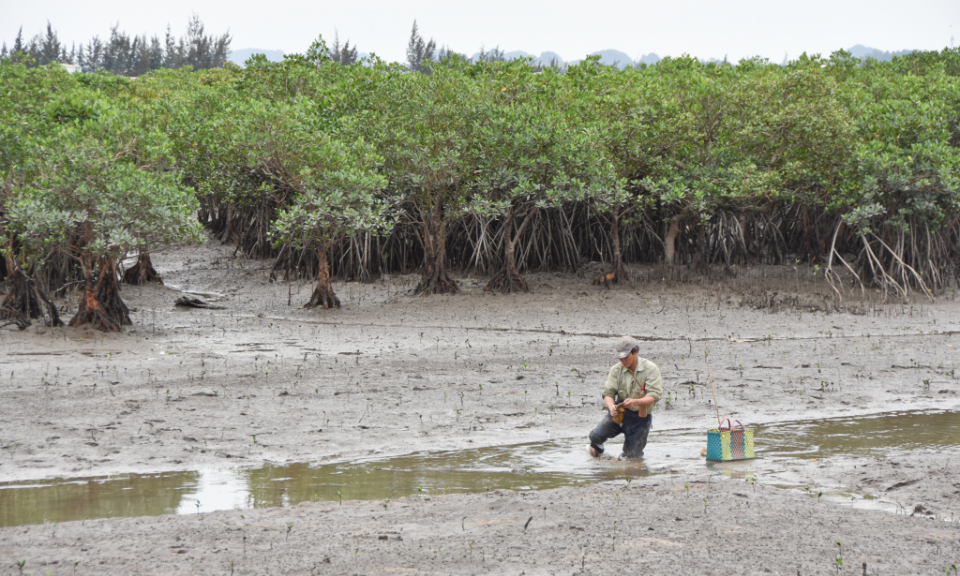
(742,29)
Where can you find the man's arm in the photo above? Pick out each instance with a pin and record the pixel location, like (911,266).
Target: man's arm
(654,384)
(610,389)
(645,401)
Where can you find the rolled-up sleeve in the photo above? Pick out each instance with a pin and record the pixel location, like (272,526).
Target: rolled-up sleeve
(611,387)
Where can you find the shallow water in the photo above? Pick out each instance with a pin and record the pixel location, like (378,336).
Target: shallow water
(516,467)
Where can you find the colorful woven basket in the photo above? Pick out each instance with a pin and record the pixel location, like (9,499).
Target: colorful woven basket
(725,444)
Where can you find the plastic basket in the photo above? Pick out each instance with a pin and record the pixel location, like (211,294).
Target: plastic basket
(726,444)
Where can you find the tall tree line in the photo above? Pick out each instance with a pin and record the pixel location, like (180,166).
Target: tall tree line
(124,54)
(487,167)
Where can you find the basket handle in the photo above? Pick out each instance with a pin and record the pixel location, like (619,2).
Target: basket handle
(730,424)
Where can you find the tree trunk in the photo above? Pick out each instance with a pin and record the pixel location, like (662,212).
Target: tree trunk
(619,274)
(100,303)
(27,300)
(142,272)
(228,235)
(670,242)
(323,296)
(434,278)
(508,280)
(703,251)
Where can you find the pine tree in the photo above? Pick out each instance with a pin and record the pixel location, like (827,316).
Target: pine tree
(49,47)
(127,55)
(494,55)
(171,56)
(93,59)
(446,53)
(140,56)
(418,51)
(156,54)
(344,55)
(18,43)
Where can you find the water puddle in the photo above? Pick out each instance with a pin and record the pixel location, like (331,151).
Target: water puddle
(863,436)
(532,466)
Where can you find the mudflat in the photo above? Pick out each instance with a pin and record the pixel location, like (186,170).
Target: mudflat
(263,382)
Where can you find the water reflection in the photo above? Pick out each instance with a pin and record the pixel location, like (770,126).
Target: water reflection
(80,498)
(860,436)
(518,467)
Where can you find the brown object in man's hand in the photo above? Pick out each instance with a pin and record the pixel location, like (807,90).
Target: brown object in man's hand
(618,419)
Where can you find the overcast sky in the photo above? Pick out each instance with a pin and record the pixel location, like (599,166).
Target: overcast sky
(735,28)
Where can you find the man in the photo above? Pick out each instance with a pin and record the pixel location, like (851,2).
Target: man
(636,383)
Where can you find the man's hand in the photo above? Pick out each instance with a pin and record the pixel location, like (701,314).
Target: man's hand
(635,402)
(611,406)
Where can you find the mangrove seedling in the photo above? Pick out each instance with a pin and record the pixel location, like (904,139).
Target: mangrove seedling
(839,557)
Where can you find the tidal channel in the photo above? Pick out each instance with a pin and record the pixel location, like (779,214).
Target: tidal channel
(532,466)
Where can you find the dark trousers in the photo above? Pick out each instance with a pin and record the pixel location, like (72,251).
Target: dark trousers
(634,429)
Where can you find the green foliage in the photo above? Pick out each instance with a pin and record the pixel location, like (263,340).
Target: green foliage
(89,174)
(313,153)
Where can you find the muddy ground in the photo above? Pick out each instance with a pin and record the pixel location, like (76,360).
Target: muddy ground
(262,381)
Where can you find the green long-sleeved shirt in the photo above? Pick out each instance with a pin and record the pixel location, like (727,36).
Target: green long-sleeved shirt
(621,385)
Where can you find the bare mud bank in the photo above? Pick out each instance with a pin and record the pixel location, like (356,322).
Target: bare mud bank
(263,381)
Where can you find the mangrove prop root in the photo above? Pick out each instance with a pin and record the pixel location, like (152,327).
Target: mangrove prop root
(100,304)
(323,296)
(27,300)
(435,280)
(142,272)
(507,280)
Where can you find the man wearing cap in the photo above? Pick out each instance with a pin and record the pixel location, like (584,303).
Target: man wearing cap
(635,382)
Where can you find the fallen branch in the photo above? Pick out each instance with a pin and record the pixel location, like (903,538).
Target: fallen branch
(185,302)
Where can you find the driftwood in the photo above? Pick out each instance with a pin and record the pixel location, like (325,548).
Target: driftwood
(186,302)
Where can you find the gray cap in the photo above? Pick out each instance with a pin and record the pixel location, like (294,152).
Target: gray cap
(624,346)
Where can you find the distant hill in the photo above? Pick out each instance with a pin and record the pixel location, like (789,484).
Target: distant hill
(547,57)
(863,52)
(650,58)
(515,54)
(240,56)
(621,59)
(613,58)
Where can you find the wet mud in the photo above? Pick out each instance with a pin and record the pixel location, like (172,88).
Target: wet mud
(263,383)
